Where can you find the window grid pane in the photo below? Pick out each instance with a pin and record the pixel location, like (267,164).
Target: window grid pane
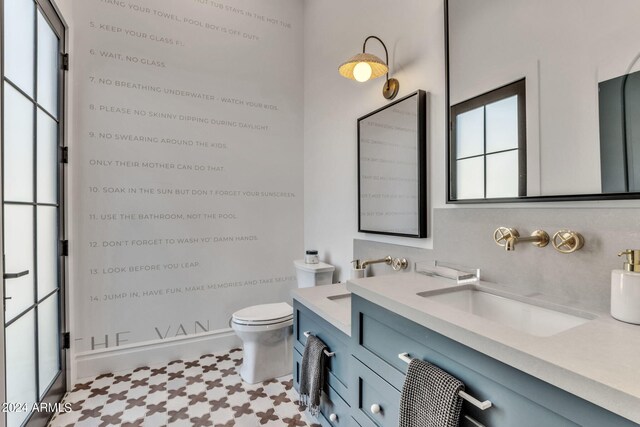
(470,178)
(47,159)
(18,250)
(470,133)
(19,40)
(48,344)
(48,66)
(502,125)
(502,174)
(18,146)
(21,365)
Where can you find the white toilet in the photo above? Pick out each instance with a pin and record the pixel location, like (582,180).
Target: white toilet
(266,330)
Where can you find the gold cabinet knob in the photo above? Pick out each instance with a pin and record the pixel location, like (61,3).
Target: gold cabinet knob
(567,241)
(502,234)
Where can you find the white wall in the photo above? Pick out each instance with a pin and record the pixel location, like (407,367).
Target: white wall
(248,50)
(334,31)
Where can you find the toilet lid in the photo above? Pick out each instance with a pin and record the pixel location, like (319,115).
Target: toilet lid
(264,312)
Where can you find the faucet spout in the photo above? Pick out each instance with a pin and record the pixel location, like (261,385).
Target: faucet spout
(386,260)
(538,238)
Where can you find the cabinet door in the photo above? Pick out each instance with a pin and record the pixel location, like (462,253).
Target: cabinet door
(336,341)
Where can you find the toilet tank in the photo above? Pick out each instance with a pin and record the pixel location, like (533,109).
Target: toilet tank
(313,274)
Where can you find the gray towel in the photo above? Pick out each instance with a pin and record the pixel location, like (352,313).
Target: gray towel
(430,397)
(312,374)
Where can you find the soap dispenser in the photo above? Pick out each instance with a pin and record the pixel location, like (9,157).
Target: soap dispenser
(625,289)
(357,272)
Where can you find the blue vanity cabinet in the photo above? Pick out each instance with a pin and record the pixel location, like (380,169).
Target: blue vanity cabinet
(378,336)
(334,409)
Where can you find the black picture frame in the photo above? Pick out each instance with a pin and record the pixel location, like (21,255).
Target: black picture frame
(421,152)
(525,199)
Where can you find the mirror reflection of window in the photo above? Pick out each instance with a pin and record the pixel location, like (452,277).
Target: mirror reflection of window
(489,145)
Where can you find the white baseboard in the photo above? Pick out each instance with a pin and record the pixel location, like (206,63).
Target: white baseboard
(127,357)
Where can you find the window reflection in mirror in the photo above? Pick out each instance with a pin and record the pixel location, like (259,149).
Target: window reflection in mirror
(488,145)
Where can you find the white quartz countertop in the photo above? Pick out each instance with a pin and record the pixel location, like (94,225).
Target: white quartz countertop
(598,361)
(326,301)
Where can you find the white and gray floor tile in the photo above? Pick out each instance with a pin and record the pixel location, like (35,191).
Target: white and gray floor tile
(194,393)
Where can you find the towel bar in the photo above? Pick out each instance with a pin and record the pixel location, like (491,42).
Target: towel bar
(475,402)
(473,421)
(327,353)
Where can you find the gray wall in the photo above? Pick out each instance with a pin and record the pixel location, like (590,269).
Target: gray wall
(582,279)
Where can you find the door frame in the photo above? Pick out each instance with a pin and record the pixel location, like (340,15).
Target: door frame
(59,387)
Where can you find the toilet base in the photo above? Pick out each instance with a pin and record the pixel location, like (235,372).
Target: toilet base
(266,354)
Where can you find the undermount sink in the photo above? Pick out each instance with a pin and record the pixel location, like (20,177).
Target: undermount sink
(520,314)
(342,299)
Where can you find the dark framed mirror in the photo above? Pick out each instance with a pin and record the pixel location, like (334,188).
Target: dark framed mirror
(543,100)
(392,168)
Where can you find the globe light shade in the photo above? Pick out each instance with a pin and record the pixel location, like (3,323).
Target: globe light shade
(362,71)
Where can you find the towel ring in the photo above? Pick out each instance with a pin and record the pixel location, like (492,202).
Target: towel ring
(326,353)
(475,402)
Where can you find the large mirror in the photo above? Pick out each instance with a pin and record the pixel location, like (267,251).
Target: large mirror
(392,168)
(544,100)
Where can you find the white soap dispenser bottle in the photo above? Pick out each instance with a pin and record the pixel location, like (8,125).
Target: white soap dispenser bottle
(625,289)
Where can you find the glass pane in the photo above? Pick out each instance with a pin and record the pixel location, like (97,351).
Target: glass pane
(19,46)
(48,345)
(502,174)
(470,133)
(18,146)
(502,125)
(48,55)
(47,159)
(470,178)
(18,251)
(47,250)
(21,366)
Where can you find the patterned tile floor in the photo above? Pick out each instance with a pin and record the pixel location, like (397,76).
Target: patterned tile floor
(203,392)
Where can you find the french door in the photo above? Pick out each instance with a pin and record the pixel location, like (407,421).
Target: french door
(33,38)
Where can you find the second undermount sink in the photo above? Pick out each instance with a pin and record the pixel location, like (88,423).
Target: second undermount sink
(512,311)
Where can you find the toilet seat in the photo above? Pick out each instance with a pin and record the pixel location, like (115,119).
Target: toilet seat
(264,315)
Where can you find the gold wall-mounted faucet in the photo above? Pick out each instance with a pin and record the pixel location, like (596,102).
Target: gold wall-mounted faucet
(395,263)
(509,237)
(387,260)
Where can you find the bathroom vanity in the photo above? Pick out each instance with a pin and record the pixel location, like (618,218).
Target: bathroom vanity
(579,369)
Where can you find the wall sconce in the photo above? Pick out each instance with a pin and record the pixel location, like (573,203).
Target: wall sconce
(365,66)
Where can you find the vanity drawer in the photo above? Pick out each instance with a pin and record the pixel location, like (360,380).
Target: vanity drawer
(336,341)
(333,404)
(370,389)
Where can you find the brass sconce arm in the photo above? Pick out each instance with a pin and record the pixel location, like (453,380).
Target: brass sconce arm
(386,52)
